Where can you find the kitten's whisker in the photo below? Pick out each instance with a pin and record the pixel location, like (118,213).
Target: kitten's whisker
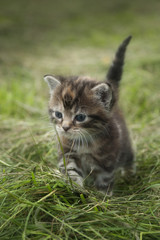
(84,137)
(87,134)
(103,129)
(80,140)
(106,130)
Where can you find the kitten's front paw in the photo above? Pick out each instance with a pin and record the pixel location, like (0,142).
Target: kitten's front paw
(76,178)
(128,171)
(73,172)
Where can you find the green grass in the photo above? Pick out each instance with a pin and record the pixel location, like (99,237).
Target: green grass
(76,37)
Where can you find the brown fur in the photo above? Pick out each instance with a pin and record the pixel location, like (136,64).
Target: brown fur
(91,127)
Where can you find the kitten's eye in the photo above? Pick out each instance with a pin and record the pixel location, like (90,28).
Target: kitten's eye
(58,114)
(80,117)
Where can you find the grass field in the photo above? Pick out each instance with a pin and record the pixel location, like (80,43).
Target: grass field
(76,37)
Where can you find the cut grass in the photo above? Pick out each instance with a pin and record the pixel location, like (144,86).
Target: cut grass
(38,203)
(78,37)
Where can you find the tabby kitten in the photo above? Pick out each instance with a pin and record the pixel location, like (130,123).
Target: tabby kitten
(91,127)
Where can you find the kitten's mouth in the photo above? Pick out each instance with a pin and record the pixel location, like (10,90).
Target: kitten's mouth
(82,137)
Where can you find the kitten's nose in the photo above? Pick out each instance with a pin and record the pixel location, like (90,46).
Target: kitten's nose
(66,128)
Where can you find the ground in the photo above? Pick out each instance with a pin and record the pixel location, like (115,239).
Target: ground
(76,37)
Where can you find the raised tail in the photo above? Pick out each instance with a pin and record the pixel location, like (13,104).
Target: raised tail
(116,69)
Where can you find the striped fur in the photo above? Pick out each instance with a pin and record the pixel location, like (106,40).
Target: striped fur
(91,127)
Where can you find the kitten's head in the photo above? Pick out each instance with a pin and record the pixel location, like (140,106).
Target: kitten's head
(79,105)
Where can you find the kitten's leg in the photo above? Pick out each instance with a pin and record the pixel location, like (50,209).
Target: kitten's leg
(129,169)
(104,182)
(73,171)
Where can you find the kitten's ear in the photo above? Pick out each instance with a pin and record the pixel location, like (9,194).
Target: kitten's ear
(103,93)
(52,82)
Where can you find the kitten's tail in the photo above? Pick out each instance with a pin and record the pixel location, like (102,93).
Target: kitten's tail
(116,69)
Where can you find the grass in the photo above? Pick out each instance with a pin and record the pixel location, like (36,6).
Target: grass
(75,37)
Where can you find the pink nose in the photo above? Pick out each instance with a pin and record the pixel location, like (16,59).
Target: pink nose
(66,128)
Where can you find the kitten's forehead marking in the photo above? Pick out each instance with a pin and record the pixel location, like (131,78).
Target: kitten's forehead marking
(68,97)
(68,92)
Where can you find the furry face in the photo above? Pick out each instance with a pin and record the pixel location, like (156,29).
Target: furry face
(91,127)
(80,107)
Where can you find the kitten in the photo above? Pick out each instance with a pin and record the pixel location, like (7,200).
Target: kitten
(91,127)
